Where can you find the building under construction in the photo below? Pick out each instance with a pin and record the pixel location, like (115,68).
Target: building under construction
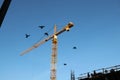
(110,73)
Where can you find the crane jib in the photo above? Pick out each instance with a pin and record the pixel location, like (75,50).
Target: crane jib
(66,28)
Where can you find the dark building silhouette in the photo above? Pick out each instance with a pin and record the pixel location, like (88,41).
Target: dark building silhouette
(111,73)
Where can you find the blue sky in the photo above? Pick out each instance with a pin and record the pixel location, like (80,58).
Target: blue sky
(96,34)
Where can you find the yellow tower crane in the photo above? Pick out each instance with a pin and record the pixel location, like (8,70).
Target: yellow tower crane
(54,47)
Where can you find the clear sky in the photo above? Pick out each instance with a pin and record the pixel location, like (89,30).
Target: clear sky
(96,34)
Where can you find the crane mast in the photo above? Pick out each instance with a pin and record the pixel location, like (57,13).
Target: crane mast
(54,56)
(54,47)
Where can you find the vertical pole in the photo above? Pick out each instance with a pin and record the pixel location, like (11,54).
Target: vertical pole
(3,10)
(54,56)
(72,75)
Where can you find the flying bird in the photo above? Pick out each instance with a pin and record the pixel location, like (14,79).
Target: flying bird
(74,47)
(46,33)
(27,35)
(41,27)
(65,64)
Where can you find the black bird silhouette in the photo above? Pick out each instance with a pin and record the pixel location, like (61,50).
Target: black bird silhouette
(74,47)
(41,27)
(27,35)
(46,33)
(65,64)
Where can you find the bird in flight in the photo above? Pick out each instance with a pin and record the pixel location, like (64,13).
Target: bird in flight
(46,34)
(27,35)
(65,64)
(74,47)
(41,27)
